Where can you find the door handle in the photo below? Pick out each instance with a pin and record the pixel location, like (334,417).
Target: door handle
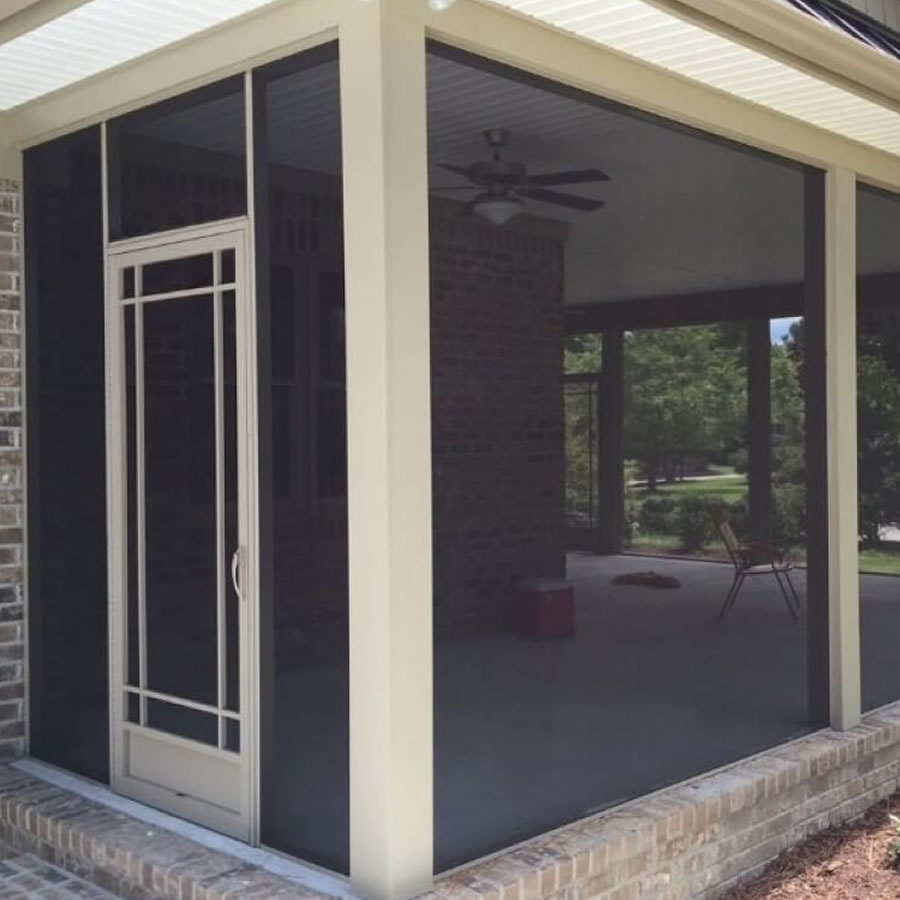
(235,568)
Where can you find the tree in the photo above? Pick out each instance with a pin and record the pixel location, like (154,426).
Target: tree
(878,416)
(685,398)
(583,353)
(878,413)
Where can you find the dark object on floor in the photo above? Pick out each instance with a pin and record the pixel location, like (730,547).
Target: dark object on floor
(648,579)
(546,610)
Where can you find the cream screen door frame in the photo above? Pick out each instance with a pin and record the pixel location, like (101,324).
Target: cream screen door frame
(204,773)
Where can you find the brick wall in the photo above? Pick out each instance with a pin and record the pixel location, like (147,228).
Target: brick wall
(12,649)
(497,413)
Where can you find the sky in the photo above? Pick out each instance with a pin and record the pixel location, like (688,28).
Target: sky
(778,328)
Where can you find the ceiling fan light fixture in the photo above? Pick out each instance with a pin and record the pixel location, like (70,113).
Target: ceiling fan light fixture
(439,5)
(498,209)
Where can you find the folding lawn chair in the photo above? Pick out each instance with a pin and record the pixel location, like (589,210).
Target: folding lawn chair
(751,559)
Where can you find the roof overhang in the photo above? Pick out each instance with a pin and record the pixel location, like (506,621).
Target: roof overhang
(683,37)
(759,72)
(785,32)
(50,45)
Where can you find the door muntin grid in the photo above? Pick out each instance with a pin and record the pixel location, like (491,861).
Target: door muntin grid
(179,343)
(182,744)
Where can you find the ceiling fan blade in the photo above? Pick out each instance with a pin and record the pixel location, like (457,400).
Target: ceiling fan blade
(575,176)
(583,204)
(440,188)
(456,170)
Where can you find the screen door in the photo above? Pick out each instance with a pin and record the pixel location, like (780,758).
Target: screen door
(179,416)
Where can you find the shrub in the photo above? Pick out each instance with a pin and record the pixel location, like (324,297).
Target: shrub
(655,516)
(737,515)
(788,515)
(693,523)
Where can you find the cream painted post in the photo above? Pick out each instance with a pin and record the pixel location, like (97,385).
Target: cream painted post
(383,101)
(840,387)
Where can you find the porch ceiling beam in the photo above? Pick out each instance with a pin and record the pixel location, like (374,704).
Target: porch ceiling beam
(776,302)
(786,33)
(780,301)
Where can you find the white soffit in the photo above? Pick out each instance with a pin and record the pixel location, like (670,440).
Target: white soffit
(101,34)
(639,29)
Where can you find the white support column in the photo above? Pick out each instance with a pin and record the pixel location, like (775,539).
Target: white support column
(382,54)
(840,386)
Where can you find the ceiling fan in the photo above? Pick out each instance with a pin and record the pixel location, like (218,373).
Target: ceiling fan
(504,185)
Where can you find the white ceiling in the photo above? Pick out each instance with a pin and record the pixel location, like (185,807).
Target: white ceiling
(683,214)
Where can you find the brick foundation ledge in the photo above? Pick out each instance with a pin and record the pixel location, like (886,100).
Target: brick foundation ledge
(699,838)
(126,856)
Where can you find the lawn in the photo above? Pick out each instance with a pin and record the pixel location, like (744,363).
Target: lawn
(728,487)
(882,560)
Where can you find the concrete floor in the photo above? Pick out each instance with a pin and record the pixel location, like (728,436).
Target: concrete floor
(653,688)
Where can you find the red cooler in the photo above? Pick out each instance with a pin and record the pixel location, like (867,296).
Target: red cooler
(546,609)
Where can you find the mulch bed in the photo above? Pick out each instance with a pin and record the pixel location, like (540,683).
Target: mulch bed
(847,862)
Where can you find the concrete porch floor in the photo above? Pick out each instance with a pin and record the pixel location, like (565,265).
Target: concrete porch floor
(653,688)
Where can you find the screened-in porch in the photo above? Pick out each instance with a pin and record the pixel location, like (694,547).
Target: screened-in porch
(421,438)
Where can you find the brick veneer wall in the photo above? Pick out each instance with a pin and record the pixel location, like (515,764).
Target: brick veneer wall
(12,648)
(696,840)
(497,413)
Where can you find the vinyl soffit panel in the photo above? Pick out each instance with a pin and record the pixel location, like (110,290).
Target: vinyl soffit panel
(99,35)
(641,30)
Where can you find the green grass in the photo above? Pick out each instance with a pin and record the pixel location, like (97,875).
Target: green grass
(880,561)
(728,489)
